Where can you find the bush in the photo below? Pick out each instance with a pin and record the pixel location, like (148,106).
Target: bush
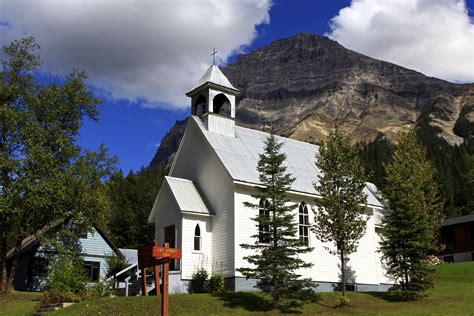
(200,281)
(398,295)
(66,275)
(216,283)
(103,289)
(115,264)
(54,296)
(342,301)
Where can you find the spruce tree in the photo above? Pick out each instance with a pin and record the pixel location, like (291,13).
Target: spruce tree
(410,225)
(339,218)
(276,250)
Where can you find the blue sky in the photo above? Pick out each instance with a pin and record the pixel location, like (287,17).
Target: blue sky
(133,133)
(143,56)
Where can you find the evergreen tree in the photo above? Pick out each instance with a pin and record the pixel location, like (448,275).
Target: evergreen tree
(412,222)
(276,250)
(132,199)
(339,217)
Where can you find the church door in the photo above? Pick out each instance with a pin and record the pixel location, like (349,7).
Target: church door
(170,238)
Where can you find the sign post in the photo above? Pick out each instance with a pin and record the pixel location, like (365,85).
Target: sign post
(144,289)
(157,279)
(164,296)
(152,256)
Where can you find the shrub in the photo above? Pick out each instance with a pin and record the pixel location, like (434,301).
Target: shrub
(115,264)
(398,295)
(54,296)
(103,289)
(66,275)
(342,301)
(216,283)
(200,281)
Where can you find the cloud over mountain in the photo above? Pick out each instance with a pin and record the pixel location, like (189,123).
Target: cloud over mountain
(147,51)
(435,37)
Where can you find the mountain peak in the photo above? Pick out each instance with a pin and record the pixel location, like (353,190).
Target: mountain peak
(307,84)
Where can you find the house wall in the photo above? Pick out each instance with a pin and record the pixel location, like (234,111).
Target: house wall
(364,265)
(194,260)
(461,245)
(168,214)
(96,249)
(197,162)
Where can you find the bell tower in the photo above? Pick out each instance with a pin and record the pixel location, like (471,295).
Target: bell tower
(213,100)
(214,94)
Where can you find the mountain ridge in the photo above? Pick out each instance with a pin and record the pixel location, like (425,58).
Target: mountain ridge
(307,84)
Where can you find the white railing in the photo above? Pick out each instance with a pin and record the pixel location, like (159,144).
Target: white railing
(135,265)
(130,280)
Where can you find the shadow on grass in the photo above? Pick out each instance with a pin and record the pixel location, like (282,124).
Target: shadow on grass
(389,297)
(249,301)
(253,302)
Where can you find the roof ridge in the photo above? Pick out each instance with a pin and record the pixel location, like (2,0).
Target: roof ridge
(278,136)
(176,178)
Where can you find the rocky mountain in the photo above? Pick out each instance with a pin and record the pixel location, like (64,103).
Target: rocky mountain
(308,84)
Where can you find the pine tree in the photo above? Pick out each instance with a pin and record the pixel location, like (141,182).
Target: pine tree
(411,223)
(277,246)
(339,218)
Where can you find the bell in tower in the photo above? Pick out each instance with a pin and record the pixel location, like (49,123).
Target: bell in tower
(213,94)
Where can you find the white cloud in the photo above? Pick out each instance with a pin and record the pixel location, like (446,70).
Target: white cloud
(149,51)
(435,37)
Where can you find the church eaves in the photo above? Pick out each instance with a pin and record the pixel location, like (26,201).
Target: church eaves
(214,75)
(239,155)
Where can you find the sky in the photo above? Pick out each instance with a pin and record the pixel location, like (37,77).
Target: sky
(144,55)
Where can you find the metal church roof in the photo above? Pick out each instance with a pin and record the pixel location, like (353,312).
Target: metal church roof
(214,75)
(239,155)
(187,196)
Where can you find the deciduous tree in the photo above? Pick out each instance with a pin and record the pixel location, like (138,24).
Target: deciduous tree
(47,179)
(339,216)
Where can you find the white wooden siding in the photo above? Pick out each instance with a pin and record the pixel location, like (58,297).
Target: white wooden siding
(197,162)
(95,249)
(167,214)
(194,260)
(365,262)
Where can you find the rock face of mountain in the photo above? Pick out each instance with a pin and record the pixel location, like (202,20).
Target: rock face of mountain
(308,84)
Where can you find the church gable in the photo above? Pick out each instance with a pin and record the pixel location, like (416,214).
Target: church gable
(199,163)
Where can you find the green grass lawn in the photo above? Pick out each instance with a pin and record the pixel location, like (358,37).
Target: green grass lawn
(452,295)
(19,303)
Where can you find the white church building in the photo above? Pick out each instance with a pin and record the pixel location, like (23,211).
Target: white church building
(200,206)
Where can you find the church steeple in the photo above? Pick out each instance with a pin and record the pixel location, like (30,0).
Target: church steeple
(213,94)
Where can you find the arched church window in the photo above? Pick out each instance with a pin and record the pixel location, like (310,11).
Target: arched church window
(264,217)
(200,106)
(197,238)
(303,224)
(221,105)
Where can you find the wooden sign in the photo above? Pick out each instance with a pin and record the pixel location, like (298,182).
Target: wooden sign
(152,256)
(163,252)
(145,256)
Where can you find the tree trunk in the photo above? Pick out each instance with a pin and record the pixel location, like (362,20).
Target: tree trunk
(343,274)
(3,257)
(14,262)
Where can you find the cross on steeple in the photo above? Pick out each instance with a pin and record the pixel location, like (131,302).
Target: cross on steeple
(214,52)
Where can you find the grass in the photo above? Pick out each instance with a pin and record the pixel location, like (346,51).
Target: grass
(452,295)
(19,303)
